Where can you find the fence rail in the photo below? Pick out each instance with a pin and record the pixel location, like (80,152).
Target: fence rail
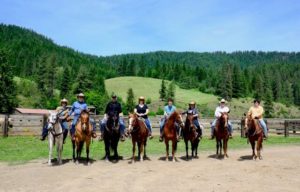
(23,124)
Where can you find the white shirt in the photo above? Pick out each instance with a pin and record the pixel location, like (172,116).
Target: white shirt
(220,110)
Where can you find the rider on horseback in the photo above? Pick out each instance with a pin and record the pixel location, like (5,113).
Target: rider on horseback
(62,113)
(222,108)
(168,110)
(192,110)
(256,112)
(113,107)
(141,110)
(77,107)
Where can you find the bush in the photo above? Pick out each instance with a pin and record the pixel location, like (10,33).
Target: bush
(160,111)
(148,101)
(151,113)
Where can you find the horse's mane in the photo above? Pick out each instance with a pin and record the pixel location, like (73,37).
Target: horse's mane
(174,115)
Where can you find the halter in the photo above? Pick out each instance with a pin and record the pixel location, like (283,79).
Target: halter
(52,130)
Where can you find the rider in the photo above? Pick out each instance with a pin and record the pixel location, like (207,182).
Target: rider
(62,112)
(256,112)
(113,107)
(192,110)
(168,110)
(222,108)
(77,107)
(141,110)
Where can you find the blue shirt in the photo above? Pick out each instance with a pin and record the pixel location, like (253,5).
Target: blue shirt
(170,109)
(77,107)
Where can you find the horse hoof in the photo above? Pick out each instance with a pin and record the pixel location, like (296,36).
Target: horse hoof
(60,162)
(106,160)
(88,163)
(173,160)
(50,164)
(141,160)
(226,156)
(77,162)
(260,158)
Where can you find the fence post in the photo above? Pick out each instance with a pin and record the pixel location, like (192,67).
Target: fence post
(286,129)
(5,128)
(242,127)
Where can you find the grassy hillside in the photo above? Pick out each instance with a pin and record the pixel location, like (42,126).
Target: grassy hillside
(149,88)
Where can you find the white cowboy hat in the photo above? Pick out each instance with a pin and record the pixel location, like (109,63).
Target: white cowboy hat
(80,95)
(64,101)
(223,101)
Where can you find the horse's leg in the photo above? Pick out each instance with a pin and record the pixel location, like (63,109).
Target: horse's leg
(141,151)
(167,149)
(253,149)
(107,152)
(133,151)
(186,149)
(217,146)
(225,142)
(88,142)
(73,146)
(258,147)
(58,149)
(221,147)
(174,143)
(50,139)
(145,144)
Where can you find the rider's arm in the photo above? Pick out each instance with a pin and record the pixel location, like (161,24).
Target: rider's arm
(72,109)
(135,111)
(147,111)
(217,113)
(196,113)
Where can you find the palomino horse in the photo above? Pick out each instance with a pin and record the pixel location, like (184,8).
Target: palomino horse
(139,135)
(222,134)
(170,133)
(255,133)
(111,136)
(55,137)
(190,134)
(83,134)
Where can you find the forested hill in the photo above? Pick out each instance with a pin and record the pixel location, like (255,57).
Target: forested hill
(273,76)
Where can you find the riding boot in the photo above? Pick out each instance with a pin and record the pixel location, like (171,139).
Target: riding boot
(123,137)
(161,138)
(43,137)
(230,136)
(199,133)
(65,134)
(101,136)
(150,135)
(212,137)
(94,135)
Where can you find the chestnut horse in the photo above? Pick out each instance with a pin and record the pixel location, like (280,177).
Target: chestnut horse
(222,134)
(83,134)
(190,134)
(255,133)
(111,136)
(169,133)
(139,134)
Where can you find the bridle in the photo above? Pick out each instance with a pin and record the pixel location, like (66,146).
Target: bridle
(52,130)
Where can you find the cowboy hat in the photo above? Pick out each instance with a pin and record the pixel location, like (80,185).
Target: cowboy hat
(141,98)
(64,101)
(192,103)
(80,95)
(113,96)
(223,101)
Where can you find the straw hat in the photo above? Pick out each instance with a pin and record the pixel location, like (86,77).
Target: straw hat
(64,101)
(223,101)
(141,98)
(80,95)
(192,103)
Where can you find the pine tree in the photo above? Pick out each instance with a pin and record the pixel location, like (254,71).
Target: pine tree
(237,86)
(163,91)
(171,90)
(288,93)
(130,101)
(7,86)
(277,88)
(83,82)
(296,93)
(65,83)
(258,87)
(224,88)
(268,104)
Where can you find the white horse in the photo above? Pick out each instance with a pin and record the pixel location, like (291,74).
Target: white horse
(55,137)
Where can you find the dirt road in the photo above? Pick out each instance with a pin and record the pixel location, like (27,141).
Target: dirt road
(278,171)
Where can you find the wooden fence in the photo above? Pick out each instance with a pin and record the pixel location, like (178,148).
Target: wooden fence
(24,124)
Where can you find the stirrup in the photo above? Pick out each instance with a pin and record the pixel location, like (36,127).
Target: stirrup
(161,139)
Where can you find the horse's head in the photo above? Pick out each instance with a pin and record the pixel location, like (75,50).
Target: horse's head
(224,119)
(112,121)
(189,120)
(84,119)
(132,121)
(52,119)
(178,118)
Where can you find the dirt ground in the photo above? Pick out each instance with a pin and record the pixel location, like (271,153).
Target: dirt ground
(278,171)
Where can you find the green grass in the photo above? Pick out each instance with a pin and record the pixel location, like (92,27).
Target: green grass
(149,88)
(21,149)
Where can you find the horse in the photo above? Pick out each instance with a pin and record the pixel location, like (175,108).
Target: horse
(222,134)
(139,135)
(255,134)
(55,137)
(83,134)
(170,133)
(190,134)
(111,136)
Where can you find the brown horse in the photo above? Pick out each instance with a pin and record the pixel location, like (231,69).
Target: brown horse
(255,133)
(139,135)
(83,134)
(170,133)
(222,134)
(190,134)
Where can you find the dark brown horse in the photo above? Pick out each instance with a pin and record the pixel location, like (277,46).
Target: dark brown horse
(190,134)
(255,134)
(139,135)
(83,135)
(222,134)
(170,133)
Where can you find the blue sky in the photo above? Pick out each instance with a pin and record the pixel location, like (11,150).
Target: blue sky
(108,27)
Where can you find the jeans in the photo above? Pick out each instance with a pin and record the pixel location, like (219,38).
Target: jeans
(264,126)
(74,122)
(121,123)
(197,124)
(213,125)
(64,126)
(148,124)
